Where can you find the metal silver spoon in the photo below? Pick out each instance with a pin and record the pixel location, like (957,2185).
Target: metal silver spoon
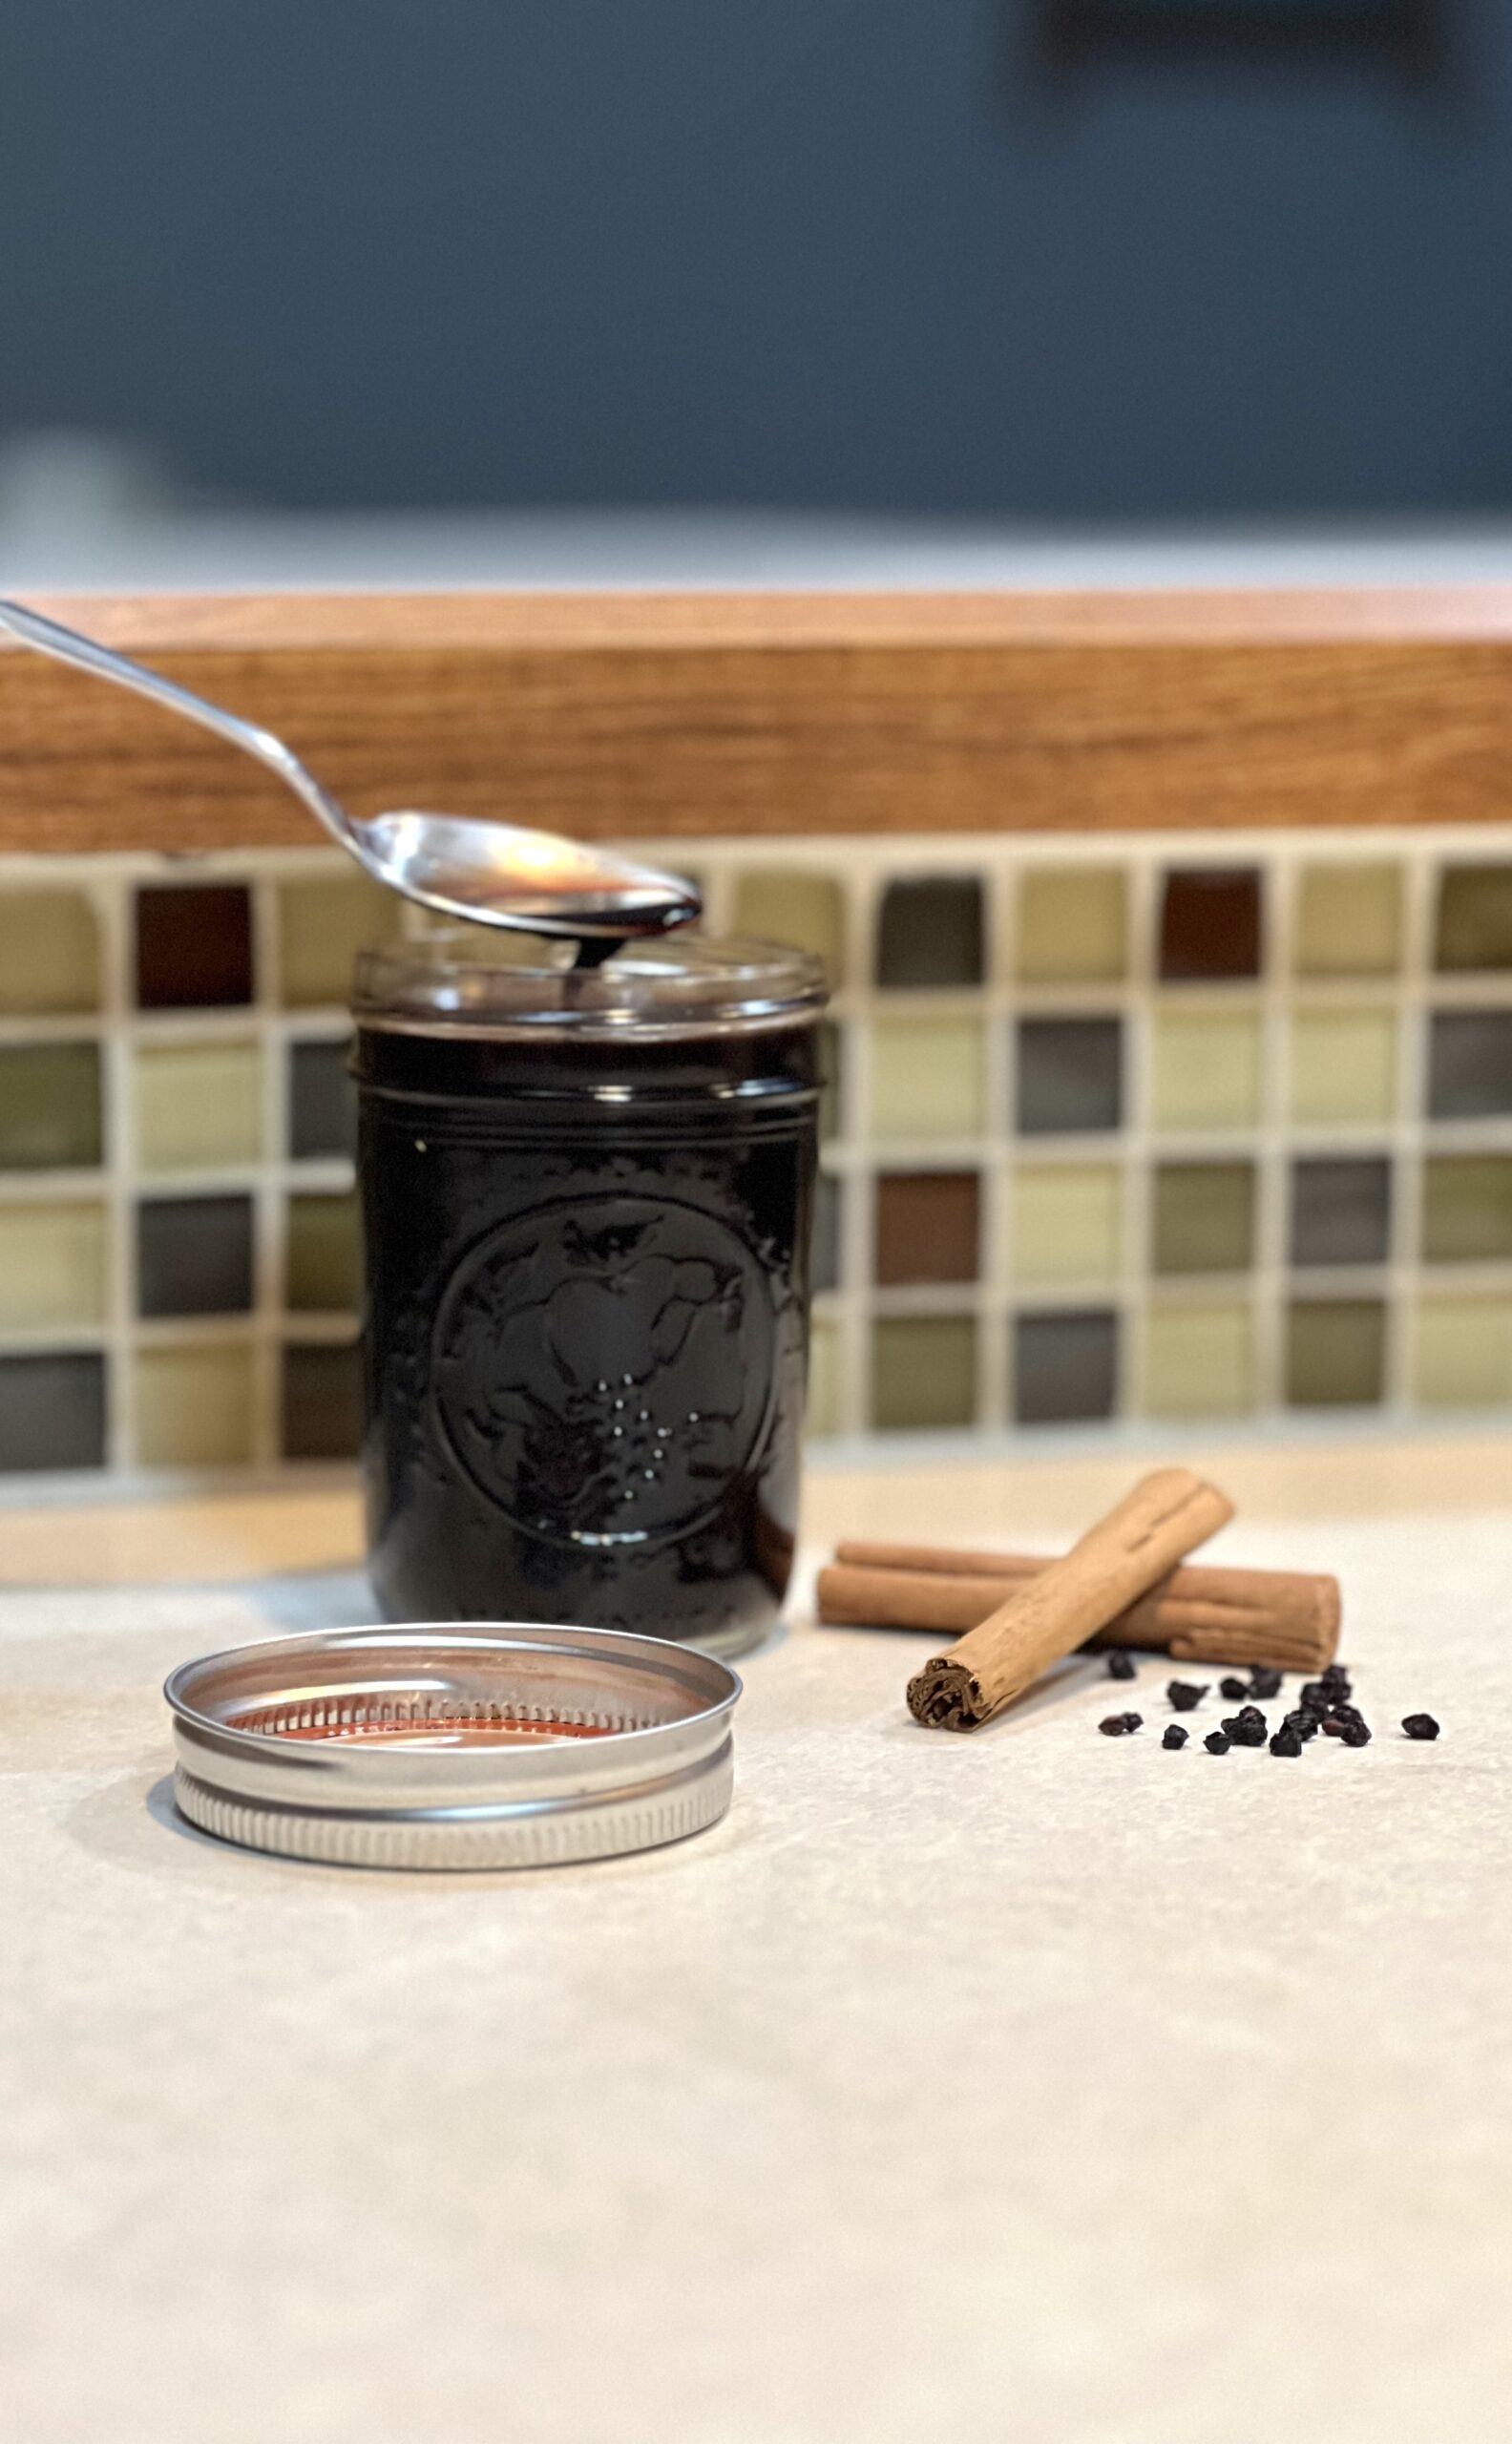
(493,874)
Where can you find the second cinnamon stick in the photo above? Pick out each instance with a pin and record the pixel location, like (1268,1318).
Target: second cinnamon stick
(1288,1619)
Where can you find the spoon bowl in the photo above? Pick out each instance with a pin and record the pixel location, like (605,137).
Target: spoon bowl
(488,874)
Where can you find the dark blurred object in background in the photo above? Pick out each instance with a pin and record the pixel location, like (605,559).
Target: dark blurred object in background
(846,254)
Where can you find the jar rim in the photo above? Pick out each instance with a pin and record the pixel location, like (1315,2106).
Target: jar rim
(458,979)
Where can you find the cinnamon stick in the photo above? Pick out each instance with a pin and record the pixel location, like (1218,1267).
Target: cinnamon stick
(1287,1618)
(1043,1618)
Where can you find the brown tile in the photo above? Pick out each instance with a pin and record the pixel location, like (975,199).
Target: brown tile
(193,946)
(322,1401)
(928,1227)
(1210,923)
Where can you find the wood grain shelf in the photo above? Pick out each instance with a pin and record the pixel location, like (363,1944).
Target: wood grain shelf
(670,715)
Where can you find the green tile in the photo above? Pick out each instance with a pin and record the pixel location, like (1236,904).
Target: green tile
(789,904)
(1199,1359)
(323,922)
(1343,1066)
(1335,1353)
(194,1405)
(322,1401)
(1349,919)
(1467,1207)
(1475,919)
(1067,1222)
(927,1078)
(1462,1354)
(1072,925)
(198,1107)
(1206,1070)
(823,1417)
(923,1372)
(324,1257)
(49,1107)
(50,959)
(1204,1217)
(52,1266)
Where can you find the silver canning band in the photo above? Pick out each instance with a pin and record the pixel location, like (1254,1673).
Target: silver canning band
(331,1747)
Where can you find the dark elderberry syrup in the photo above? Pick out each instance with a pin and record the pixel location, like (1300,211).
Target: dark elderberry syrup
(586,1202)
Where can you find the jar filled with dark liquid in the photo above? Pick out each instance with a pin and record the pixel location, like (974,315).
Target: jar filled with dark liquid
(587,1197)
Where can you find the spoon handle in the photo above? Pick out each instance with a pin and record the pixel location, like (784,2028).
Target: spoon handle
(65,645)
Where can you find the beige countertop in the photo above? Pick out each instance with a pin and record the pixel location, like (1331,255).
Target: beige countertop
(1031,2085)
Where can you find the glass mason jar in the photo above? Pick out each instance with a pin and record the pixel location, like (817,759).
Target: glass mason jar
(587,1199)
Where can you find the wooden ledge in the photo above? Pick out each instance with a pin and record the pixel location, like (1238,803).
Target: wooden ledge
(665,715)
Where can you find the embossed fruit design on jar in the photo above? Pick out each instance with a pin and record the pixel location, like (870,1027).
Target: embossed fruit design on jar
(587,1199)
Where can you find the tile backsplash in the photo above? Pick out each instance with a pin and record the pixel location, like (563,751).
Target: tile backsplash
(1159,1129)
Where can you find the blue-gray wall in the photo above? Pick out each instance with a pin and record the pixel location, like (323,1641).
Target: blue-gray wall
(841,252)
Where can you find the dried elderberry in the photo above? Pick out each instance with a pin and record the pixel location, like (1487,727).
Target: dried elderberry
(1183,1695)
(1234,1687)
(1303,1722)
(1246,1729)
(1286,1742)
(1116,1725)
(1265,1683)
(1175,1735)
(1415,1726)
(1121,1665)
(1216,1744)
(1355,1734)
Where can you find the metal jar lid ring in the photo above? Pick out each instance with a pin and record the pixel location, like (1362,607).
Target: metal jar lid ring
(453,1745)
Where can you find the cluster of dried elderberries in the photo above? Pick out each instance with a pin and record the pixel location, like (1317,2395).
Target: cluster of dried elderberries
(1324,1705)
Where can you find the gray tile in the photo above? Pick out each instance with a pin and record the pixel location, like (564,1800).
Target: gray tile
(1070,1075)
(323,1101)
(826,1232)
(930,932)
(1470,1065)
(52,1411)
(194,1256)
(1341,1210)
(1065,1367)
